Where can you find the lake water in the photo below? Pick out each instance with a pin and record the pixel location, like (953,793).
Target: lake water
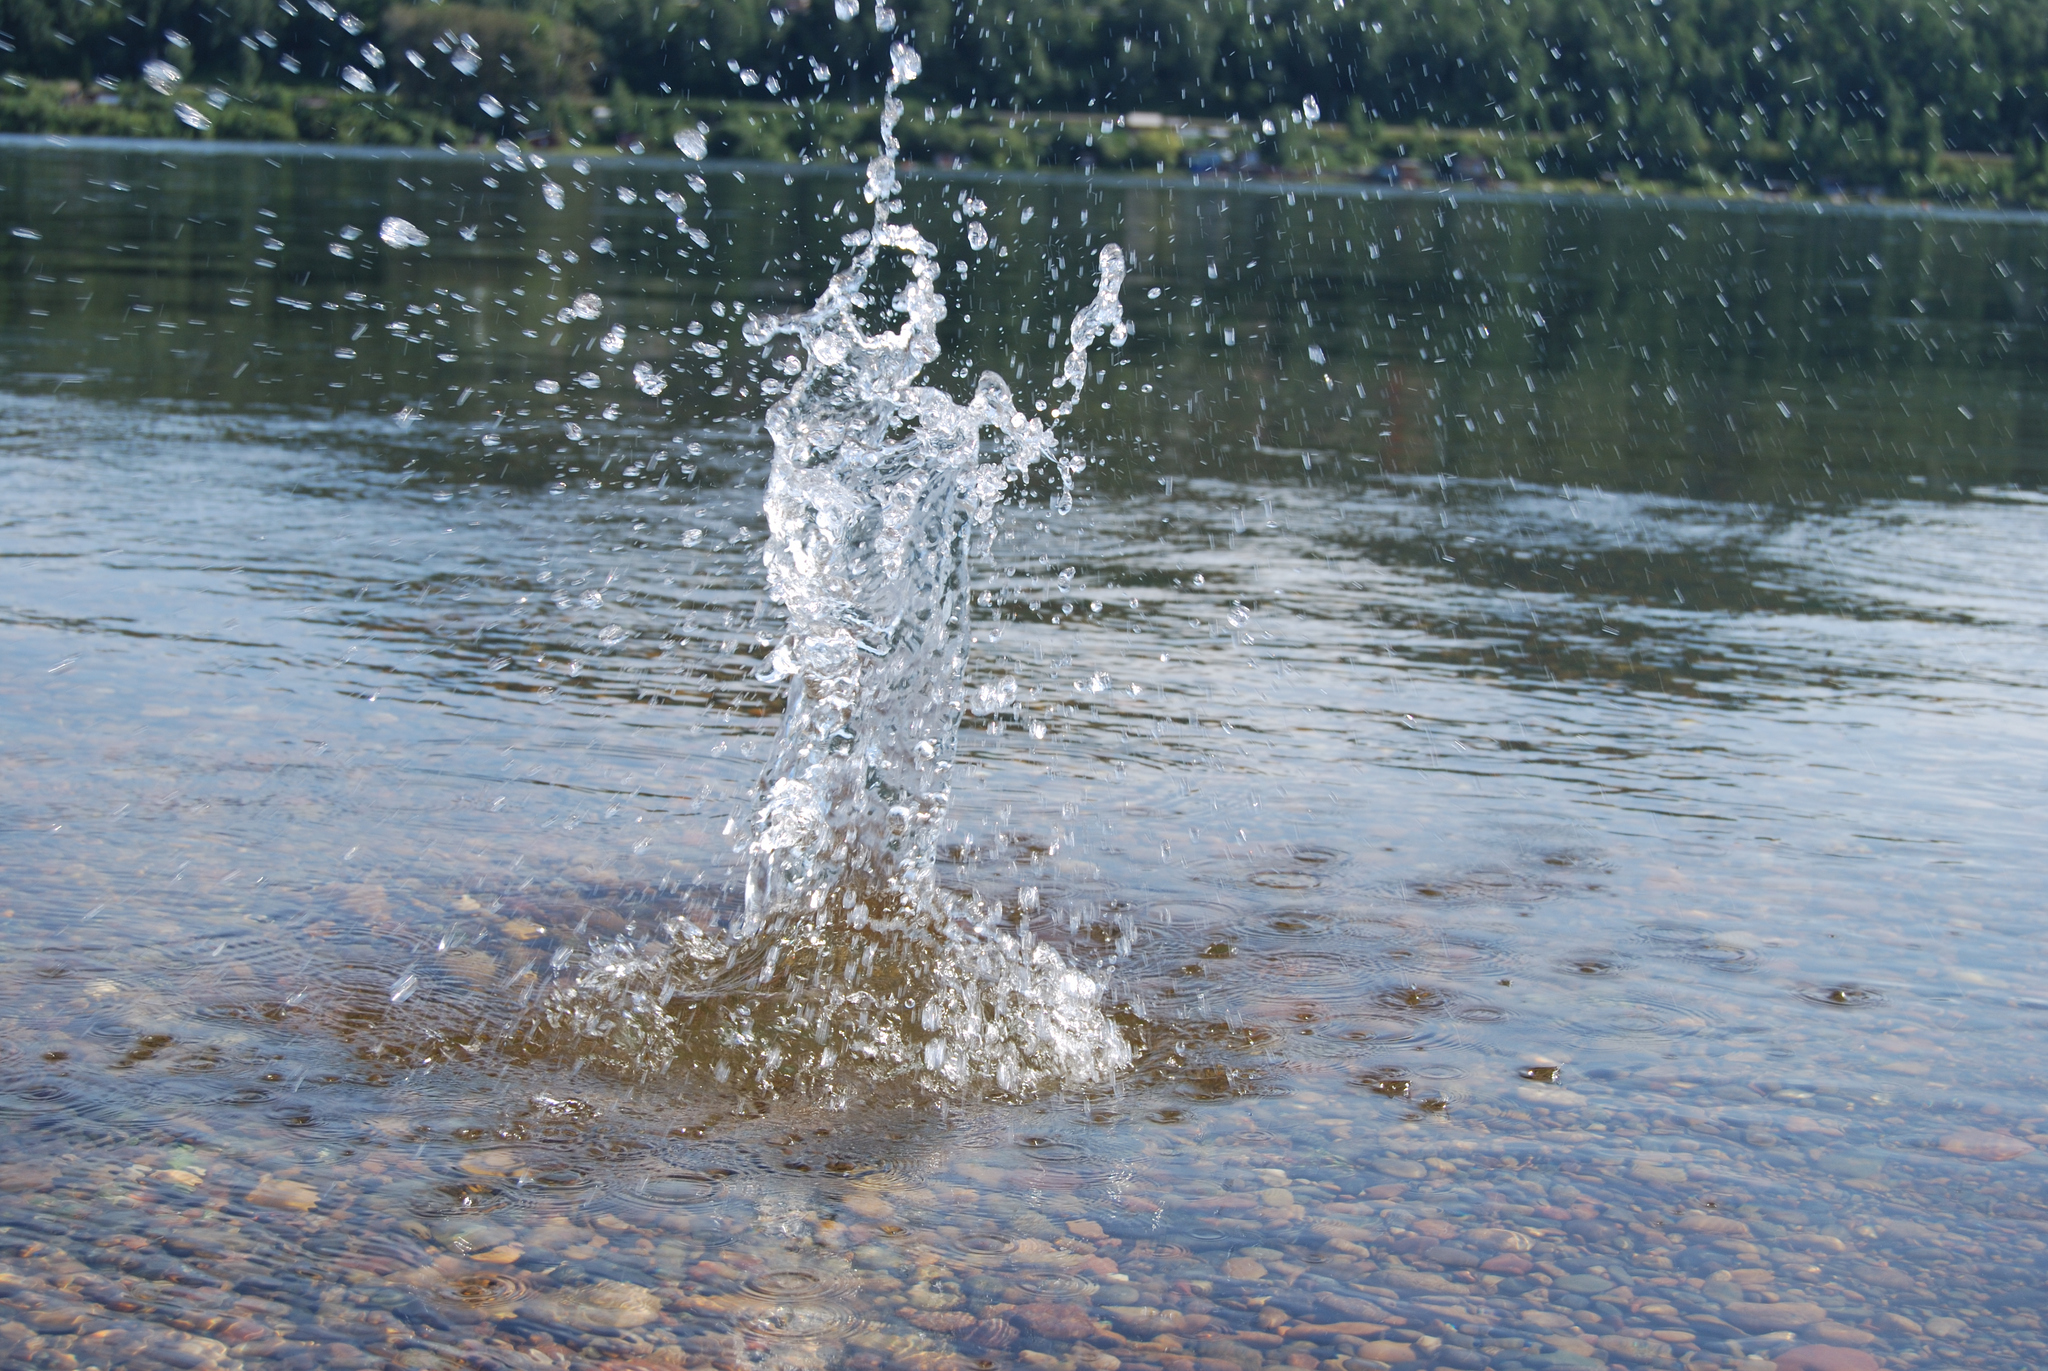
(1544,735)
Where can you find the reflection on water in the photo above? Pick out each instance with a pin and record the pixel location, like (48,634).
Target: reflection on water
(1566,873)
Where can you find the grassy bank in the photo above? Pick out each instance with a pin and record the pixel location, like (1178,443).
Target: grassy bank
(822,131)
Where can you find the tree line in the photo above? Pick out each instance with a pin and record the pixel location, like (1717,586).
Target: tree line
(1861,90)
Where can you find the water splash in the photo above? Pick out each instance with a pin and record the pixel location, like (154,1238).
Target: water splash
(848,961)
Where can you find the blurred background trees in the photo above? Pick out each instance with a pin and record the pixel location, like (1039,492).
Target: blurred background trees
(1851,93)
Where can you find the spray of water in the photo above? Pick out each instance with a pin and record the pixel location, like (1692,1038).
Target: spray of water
(848,960)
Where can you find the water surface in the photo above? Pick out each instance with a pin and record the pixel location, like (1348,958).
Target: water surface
(1536,711)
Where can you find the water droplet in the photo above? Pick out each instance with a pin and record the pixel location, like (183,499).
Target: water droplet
(400,233)
(488,103)
(548,387)
(845,10)
(191,118)
(358,79)
(614,341)
(693,143)
(1311,110)
(650,381)
(552,193)
(160,76)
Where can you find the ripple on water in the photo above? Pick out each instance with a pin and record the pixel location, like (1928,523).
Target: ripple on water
(1052,1285)
(116,1027)
(1592,964)
(1306,972)
(881,1174)
(1638,1019)
(819,1319)
(1216,1081)
(1283,927)
(454,1199)
(1411,998)
(1386,1029)
(1451,955)
(298,1113)
(1720,952)
(1842,996)
(482,1292)
(1281,879)
(1194,914)
(53,1105)
(798,1285)
(555,1184)
(984,1250)
(676,1188)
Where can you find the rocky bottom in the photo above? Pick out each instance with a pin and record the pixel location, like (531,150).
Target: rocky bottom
(1232,1236)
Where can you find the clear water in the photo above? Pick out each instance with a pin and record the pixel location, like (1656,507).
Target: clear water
(1549,780)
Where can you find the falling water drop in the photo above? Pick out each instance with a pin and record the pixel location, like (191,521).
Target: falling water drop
(160,76)
(400,233)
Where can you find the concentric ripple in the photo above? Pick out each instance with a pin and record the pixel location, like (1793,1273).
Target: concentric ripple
(1842,996)
(483,1291)
(820,1319)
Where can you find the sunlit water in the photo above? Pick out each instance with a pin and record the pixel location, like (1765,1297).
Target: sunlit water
(1534,717)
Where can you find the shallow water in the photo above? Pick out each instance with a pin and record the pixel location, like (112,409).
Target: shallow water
(1564,852)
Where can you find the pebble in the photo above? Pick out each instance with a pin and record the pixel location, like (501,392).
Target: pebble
(1056,1322)
(1818,1358)
(1635,1351)
(1786,1316)
(1984,1145)
(1530,1243)
(273,1193)
(1389,1353)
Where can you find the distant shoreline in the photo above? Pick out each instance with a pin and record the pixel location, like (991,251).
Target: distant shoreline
(1323,187)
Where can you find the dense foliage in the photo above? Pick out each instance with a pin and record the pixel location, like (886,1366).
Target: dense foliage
(1867,91)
